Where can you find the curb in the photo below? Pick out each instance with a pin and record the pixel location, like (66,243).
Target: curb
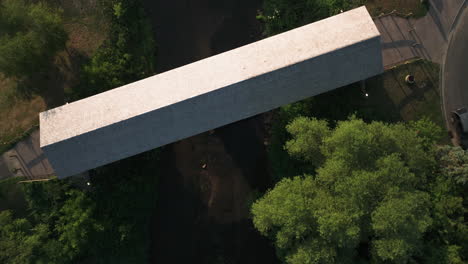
(444,60)
(457,17)
(393,12)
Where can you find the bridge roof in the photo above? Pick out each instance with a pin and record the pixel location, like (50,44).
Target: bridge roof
(206,75)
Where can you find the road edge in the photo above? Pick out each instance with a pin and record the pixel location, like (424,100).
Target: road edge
(444,59)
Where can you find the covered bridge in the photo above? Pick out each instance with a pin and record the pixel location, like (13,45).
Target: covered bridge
(212,92)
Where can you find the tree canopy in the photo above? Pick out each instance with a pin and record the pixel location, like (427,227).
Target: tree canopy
(379,194)
(30,36)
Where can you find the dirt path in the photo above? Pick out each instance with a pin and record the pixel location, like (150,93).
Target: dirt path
(201,215)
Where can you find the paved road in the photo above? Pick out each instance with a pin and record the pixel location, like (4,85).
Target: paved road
(432,30)
(456,66)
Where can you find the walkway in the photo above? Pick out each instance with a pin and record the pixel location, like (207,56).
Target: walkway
(25,159)
(404,39)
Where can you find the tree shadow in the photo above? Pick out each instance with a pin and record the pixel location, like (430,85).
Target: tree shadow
(52,82)
(417,94)
(62,76)
(239,28)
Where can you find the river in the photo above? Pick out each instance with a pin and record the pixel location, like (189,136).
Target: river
(206,180)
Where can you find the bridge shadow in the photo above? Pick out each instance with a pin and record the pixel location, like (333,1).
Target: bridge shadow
(244,142)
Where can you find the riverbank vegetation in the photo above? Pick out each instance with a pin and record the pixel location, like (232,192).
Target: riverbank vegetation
(31,35)
(127,55)
(42,54)
(283,15)
(107,220)
(73,50)
(69,221)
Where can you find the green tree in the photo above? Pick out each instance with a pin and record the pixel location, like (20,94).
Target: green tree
(76,224)
(98,224)
(399,223)
(307,132)
(282,164)
(429,132)
(30,36)
(449,198)
(374,197)
(454,163)
(126,56)
(19,239)
(45,199)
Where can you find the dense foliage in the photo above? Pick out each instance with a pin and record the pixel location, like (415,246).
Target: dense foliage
(30,36)
(107,222)
(283,15)
(377,193)
(126,56)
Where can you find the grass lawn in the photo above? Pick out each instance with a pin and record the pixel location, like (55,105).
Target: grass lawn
(19,113)
(12,196)
(390,93)
(403,7)
(390,99)
(87,28)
